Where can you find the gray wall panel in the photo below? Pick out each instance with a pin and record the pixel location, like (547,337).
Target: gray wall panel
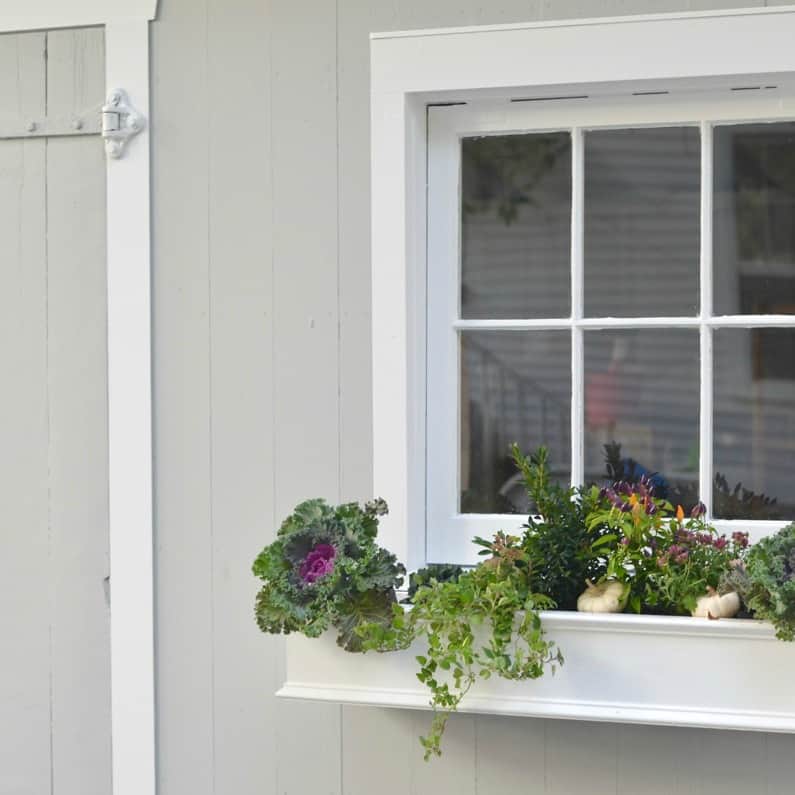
(262,280)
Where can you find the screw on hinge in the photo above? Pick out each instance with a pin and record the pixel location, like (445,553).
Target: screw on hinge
(31,126)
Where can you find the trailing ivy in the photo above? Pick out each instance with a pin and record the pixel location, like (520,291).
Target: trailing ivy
(485,623)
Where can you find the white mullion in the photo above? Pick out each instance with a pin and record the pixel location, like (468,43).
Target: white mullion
(751,321)
(536,324)
(577,306)
(705,457)
(696,321)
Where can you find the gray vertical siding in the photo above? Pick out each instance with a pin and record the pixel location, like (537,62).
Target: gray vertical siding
(55,683)
(262,397)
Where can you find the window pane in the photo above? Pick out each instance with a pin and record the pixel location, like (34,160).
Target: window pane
(642,237)
(516,226)
(754,219)
(754,406)
(642,393)
(515,387)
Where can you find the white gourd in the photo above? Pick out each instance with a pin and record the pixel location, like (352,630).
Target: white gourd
(714,605)
(604,597)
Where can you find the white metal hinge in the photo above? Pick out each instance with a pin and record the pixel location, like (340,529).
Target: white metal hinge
(120,122)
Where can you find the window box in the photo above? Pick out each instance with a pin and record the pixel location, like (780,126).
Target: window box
(727,674)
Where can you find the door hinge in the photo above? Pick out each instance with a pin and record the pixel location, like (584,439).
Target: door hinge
(120,122)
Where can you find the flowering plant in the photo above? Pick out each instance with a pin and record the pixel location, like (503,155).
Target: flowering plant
(325,569)
(691,559)
(634,517)
(667,560)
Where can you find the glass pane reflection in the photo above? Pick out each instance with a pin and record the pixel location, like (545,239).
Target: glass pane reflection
(754,219)
(754,406)
(642,400)
(642,235)
(515,387)
(516,226)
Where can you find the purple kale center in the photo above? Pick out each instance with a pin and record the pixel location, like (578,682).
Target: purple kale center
(318,563)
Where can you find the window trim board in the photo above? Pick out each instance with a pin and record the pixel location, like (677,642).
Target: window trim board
(411,70)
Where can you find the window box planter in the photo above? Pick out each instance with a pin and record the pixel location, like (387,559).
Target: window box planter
(730,674)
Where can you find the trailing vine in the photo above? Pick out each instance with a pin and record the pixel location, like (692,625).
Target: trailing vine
(483,624)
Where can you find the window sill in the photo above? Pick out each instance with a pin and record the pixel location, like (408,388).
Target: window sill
(730,674)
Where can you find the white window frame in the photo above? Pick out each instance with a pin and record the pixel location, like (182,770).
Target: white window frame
(412,70)
(126,25)
(450,532)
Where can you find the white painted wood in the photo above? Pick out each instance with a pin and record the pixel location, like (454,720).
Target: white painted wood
(455,771)
(577,305)
(245,662)
(182,382)
(539,55)
(130,425)
(306,325)
(26,567)
(412,69)
(594,744)
(48,14)
(77,389)
(510,755)
(619,668)
(381,740)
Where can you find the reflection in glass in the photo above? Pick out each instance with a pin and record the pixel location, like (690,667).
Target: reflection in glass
(515,387)
(642,393)
(516,226)
(754,219)
(642,234)
(754,411)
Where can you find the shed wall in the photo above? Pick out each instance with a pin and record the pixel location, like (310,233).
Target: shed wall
(262,397)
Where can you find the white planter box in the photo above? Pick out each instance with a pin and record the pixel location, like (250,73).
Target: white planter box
(731,674)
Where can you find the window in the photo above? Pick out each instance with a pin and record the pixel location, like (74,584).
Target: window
(665,318)
(611,276)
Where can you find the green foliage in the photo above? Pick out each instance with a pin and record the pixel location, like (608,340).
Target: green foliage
(563,551)
(324,569)
(691,559)
(766,583)
(483,624)
(439,572)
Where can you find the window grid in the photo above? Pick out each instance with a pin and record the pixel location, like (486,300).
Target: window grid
(705,321)
(439,537)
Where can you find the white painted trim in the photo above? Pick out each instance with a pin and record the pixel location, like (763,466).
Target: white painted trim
(490,64)
(129,380)
(130,425)
(49,14)
(619,667)
(630,19)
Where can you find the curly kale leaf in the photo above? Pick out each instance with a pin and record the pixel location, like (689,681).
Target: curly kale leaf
(767,583)
(364,609)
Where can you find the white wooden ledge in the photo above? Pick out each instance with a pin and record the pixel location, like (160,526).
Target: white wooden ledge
(729,674)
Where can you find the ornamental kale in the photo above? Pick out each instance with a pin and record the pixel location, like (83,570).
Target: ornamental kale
(766,581)
(324,569)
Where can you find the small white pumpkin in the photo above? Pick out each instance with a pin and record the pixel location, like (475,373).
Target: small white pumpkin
(715,605)
(604,597)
